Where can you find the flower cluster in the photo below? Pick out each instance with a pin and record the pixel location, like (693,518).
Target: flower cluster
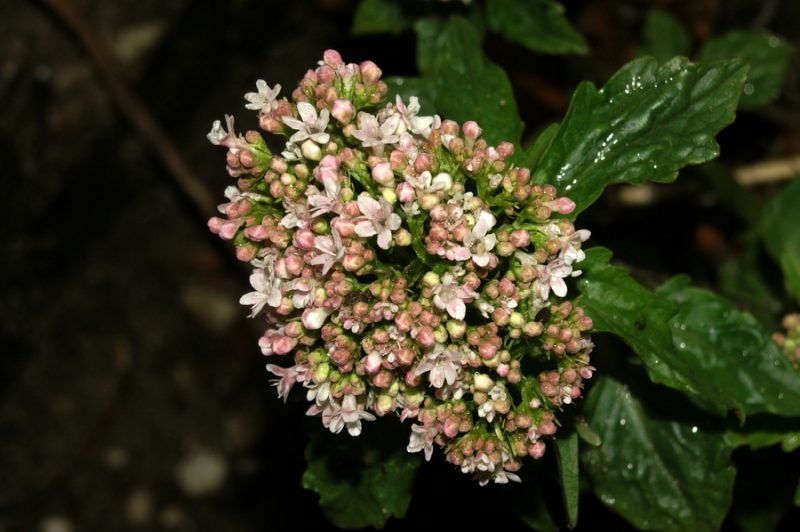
(407,267)
(789,341)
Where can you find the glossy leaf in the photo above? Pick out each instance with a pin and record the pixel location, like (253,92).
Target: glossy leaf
(645,124)
(619,305)
(470,87)
(767,54)
(361,481)
(567,453)
(664,36)
(692,340)
(730,355)
(539,25)
(379,16)
(657,473)
(780,232)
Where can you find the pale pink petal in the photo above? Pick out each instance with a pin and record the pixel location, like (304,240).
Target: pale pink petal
(368,206)
(457,309)
(559,286)
(365,229)
(314,318)
(384,238)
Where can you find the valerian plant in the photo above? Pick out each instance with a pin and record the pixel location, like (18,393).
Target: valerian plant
(427,267)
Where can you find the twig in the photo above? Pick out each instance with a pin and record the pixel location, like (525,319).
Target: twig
(768,171)
(133,107)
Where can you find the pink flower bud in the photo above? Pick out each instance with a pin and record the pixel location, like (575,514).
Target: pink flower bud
(304,239)
(246,252)
(283,345)
(332,58)
(471,130)
(383,174)
(343,111)
(536,450)
(370,72)
(425,337)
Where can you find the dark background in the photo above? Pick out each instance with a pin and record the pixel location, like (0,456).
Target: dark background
(128,372)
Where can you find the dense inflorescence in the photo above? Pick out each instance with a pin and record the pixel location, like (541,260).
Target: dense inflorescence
(407,267)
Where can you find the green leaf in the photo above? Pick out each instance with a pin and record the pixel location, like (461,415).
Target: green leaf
(527,501)
(619,305)
(764,431)
(360,481)
(779,230)
(692,340)
(470,87)
(657,473)
(430,32)
(646,123)
(730,355)
(664,36)
(539,25)
(379,16)
(767,54)
(567,453)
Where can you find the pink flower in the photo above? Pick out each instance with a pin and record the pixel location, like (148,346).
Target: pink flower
(330,201)
(380,220)
(452,297)
(348,415)
(444,364)
(288,377)
(331,250)
(310,126)
(422,439)
(303,288)
(376,135)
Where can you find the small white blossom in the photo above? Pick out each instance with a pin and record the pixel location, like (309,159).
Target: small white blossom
(310,126)
(265,99)
(452,297)
(378,219)
(375,135)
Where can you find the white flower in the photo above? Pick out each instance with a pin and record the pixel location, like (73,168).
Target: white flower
(267,288)
(422,439)
(380,220)
(478,242)
(347,415)
(218,135)
(310,126)
(425,183)
(330,201)
(375,135)
(419,125)
(444,364)
(551,277)
(452,297)
(265,99)
(331,250)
